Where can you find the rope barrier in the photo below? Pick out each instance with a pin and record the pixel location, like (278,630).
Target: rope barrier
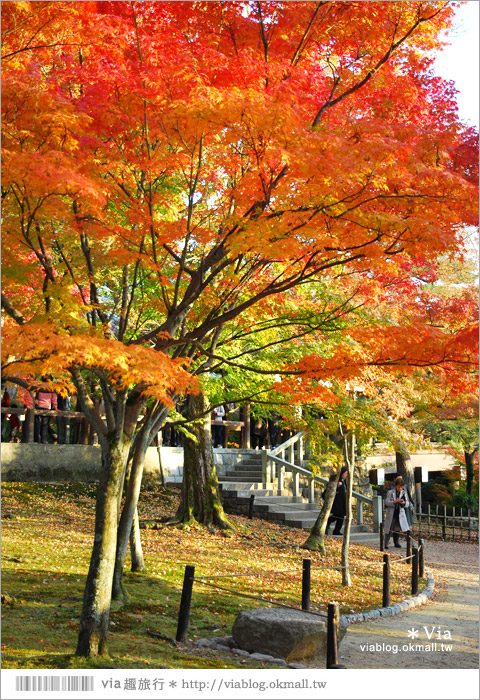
(254,573)
(397,561)
(264,600)
(286,571)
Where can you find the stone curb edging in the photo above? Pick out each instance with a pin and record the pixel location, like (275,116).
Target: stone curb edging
(229,644)
(403,606)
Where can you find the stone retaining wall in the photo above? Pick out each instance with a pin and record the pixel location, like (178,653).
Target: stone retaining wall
(34,462)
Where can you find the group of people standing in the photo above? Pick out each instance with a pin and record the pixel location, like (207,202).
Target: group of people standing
(263,431)
(397,502)
(47,428)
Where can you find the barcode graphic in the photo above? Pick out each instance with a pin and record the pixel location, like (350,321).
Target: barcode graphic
(52,683)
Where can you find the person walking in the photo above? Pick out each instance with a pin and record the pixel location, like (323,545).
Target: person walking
(339,506)
(396,520)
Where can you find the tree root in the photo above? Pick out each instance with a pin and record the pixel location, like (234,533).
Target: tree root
(314,544)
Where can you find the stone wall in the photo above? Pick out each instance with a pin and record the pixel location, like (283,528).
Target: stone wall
(34,462)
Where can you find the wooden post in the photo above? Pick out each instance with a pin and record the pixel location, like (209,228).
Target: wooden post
(386,581)
(185,602)
(415,571)
(444,523)
(469,513)
(382,538)
(428,520)
(306,583)
(421,558)
(250,506)
(453,524)
(409,543)
(84,432)
(28,425)
(333,618)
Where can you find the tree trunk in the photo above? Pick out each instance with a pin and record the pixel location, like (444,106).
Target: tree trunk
(200,499)
(92,638)
(316,539)
(349,452)
(470,471)
(136,553)
(128,513)
(405,470)
(159,453)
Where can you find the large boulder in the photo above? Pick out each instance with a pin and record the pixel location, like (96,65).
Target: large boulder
(293,635)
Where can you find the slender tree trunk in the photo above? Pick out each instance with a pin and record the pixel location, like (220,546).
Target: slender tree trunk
(349,452)
(159,453)
(152,421)
(316,539)
(128,512)
(136,553)
(200,500)
(470,471)
(405,470)
(92,638)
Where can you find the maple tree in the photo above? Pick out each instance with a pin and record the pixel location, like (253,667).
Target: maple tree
(170,166)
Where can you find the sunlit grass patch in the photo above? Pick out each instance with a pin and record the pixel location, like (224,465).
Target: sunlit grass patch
(46,543)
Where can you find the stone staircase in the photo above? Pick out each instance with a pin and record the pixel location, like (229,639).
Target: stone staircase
(238,484)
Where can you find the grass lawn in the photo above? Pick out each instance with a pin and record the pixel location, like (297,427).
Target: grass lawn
(47,533)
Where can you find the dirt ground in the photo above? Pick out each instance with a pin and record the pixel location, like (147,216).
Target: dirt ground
(446,627)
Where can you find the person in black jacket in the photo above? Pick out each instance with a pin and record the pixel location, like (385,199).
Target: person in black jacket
(339,507)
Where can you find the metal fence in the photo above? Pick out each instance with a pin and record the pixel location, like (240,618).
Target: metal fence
(458,524)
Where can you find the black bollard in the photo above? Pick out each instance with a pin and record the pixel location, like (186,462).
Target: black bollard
(421,558)
(250,506)
(386,581)
(185,602)
(415,571)
(382,538)
(333,618)
(306,584)
(409,543)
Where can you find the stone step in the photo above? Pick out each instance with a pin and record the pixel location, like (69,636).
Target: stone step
(246,467)
(359,537)
(251,476)
(243,495)
(273,502)
(302,520)
(241,485)
(287,505)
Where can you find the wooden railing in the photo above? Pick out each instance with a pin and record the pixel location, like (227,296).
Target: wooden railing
(279,461)
(77,427)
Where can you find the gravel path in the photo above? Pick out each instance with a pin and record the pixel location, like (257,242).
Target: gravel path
(451,619)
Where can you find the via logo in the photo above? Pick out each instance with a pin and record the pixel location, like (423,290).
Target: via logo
(432,632)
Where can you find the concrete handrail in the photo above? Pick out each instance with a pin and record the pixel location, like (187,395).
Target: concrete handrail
(270,460)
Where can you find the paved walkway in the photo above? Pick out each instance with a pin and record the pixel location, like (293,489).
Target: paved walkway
(450,618)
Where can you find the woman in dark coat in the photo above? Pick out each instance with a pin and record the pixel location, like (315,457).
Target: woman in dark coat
(339,507)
